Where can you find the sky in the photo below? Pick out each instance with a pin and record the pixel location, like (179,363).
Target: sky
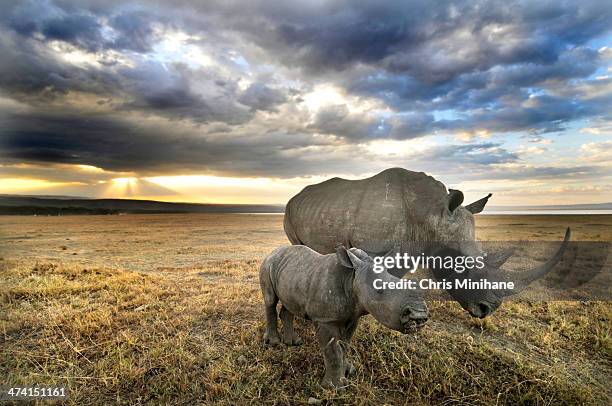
(250,101)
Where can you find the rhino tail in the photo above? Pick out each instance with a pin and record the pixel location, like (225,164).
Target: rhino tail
(266,282)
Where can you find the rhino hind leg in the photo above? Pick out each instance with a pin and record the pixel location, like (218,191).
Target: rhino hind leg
(328,336)
(289,335)
(271,334)
(270,301)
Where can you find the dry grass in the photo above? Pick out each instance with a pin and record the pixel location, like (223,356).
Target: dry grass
(161,333)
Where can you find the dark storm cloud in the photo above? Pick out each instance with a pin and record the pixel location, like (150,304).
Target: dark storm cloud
(258,96)
(152,149)
(134,30)
(432,68)
(464,56)
(121,145)
(539,114)
(336,120)
(28,71)
(128,28)
(36,76)
(53,23)
(428,39)
(168,90)
(473,90)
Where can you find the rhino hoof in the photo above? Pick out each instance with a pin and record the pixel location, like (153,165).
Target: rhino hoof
(270,339)
(337,384)
(350,370)
(293,341)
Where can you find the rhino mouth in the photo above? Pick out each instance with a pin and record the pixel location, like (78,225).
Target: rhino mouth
(412,326)
(481,310)
(413,320)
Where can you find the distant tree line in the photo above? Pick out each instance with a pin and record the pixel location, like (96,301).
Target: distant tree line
(51,211)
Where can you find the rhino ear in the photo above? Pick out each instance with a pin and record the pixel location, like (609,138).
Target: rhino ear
(478,205)
(455,198)
(359,253)
(343,256)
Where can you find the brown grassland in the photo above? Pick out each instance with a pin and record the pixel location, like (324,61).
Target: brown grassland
(166,309)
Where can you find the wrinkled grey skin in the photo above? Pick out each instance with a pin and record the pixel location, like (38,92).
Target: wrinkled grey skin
(400,206)
(333,291)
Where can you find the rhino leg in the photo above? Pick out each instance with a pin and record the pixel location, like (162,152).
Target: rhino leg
(270,301)
(347,336)
(271,334)
(289,336)
(328,336)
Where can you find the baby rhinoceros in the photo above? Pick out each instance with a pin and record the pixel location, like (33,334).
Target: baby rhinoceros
(334,291)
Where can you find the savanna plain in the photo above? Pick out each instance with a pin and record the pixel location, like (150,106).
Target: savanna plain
(166,309)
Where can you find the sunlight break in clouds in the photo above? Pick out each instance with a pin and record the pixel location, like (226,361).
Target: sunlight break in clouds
(26,186)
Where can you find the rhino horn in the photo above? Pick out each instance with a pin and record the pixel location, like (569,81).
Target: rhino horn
(539,272)
(455,198)
(477,206)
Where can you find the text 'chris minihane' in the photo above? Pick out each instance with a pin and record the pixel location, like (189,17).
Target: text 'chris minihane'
(430,284)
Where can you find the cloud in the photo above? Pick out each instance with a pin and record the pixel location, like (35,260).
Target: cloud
(432,42)
(128,28)
(531,150)
(53,23)
(133,30)
(149,147)
(258,96)
(602,126)
(538,139)
(597,151)
(59,173)
(337,120)
(539,114)
(231,88)
(178,92)
(152,146)
(476,153)
(541,173)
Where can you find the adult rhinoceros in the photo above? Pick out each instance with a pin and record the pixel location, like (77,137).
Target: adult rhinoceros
(398,205)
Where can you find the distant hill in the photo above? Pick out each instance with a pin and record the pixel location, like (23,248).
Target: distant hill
(28,205)
(586,206)
(62,205)
(48,196)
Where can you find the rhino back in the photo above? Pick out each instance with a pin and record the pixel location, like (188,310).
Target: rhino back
(394,205)
(312,285)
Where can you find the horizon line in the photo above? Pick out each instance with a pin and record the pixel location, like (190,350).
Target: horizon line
(554,207)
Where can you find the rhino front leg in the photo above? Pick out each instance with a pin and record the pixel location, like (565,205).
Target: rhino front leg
(328,336)
(289,336)
(347,336)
